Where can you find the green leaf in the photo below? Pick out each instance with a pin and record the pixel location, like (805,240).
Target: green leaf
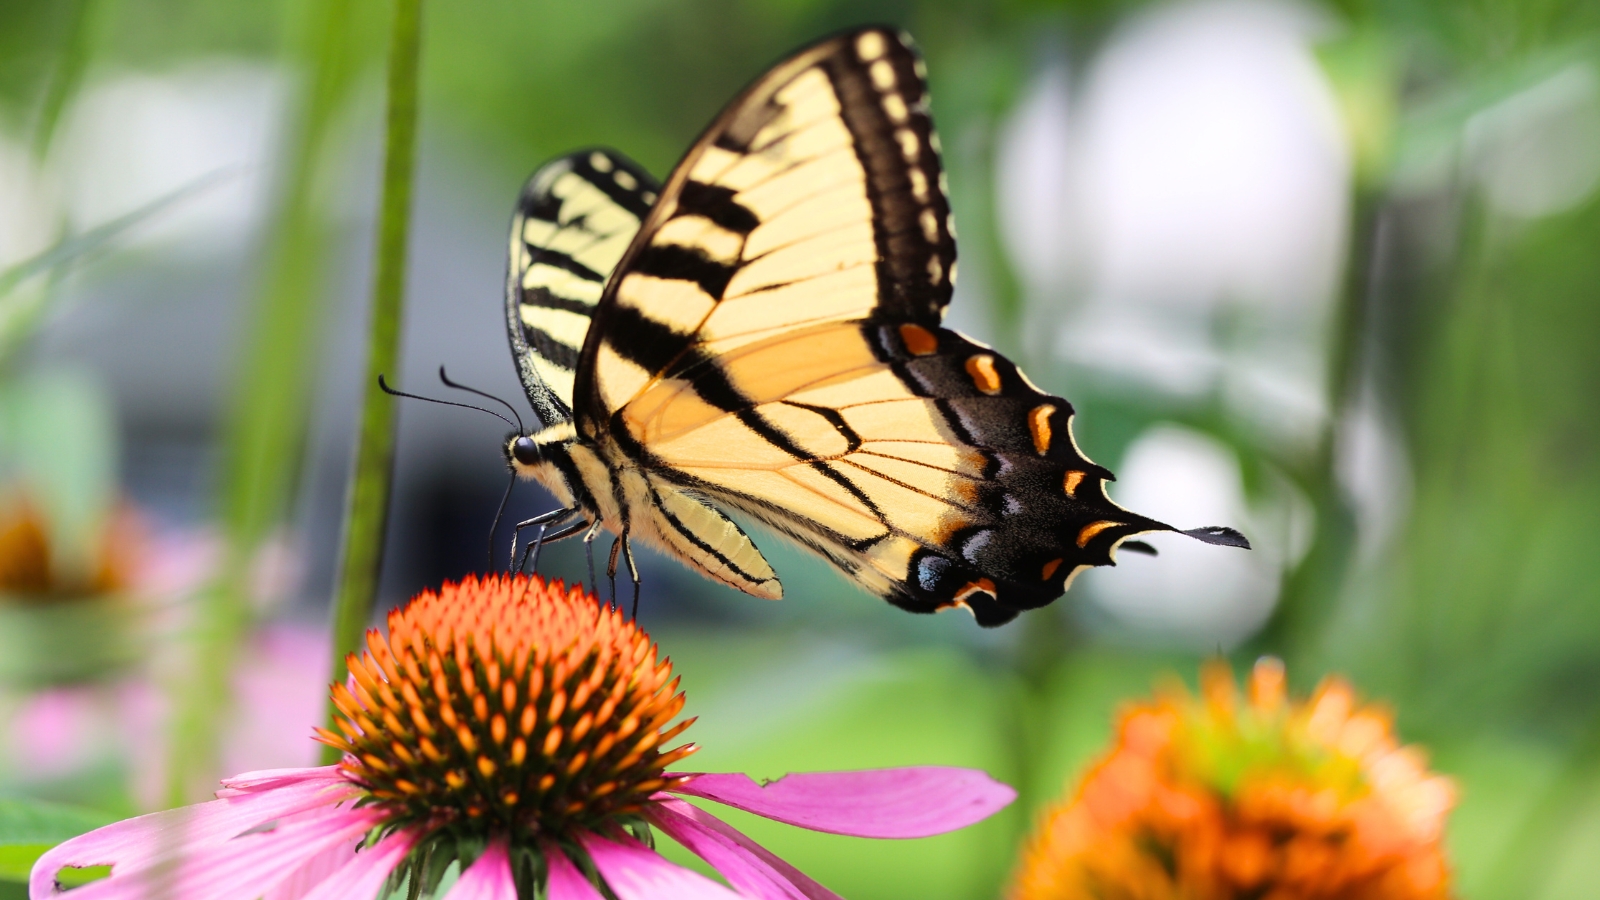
(30,827)
(24,306)
(74,248)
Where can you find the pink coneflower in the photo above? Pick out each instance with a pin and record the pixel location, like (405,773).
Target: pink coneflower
(517,727)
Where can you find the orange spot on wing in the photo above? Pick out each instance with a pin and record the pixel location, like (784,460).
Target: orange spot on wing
(1074,478)
(981,586)
(919,341)
(1050,569)
(1092,529)
(1039,424)
(984,375)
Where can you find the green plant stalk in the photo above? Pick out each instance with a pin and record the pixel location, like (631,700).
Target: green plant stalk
(367,510)
(76,47)
(266,415)
(1311,591)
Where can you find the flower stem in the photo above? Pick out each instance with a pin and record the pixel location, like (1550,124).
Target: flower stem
(1311,591)
(368,504)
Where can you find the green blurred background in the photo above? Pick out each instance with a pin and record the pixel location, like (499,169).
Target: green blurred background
(1328,273)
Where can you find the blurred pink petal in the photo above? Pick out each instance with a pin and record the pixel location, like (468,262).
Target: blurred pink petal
(880,803)
(176,563)
(635,872)
(753,870)
(244,867)
(490,877)
(136,843)
(565,881)
(280,693)
(55,731)
(364,873)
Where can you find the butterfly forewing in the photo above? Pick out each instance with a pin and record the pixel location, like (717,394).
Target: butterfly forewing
(815,197)
(575,219)
(770,341)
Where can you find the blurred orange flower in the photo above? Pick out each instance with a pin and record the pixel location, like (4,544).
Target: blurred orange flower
(30,570)
(1219,797)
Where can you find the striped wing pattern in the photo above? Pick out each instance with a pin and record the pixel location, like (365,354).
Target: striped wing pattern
(575,218)
(771,343)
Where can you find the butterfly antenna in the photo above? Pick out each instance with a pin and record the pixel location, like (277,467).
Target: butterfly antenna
(485,394)
(504,499)
(389,390)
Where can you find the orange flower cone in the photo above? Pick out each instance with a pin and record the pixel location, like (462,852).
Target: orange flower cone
(1220,797)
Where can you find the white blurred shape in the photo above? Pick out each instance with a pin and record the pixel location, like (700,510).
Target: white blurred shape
(133,138)
(1213,160)
(28,205)
(1538,151)
(1032,183)
(1203,169)
(1374,473)
(1193,593)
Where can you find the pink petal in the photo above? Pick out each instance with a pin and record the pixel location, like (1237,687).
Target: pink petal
(271,779)
(489,878)
(635,872)
(364,875)
(566,882)
(879,803)
(313,871)
(753,870)
(135,843)
(245,867)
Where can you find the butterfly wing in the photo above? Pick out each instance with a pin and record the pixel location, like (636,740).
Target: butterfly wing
(771,342)
(574,219)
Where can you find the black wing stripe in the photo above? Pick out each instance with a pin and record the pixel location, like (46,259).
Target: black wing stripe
(551,348)
(629,198)
(684,264)
(834,418)
(544,298)
(555,259)
(716,203)
(651,343)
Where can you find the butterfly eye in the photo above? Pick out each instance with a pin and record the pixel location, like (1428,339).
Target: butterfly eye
(525,451)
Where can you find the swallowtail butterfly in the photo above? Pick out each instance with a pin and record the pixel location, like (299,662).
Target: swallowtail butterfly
(762,334)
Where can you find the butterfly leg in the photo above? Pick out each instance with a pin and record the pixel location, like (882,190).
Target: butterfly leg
(633,569)
(588,548)
(532,548)
(543,520)
(611,564)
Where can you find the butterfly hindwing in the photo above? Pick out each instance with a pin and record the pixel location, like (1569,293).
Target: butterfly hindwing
(921,463)
(574,220)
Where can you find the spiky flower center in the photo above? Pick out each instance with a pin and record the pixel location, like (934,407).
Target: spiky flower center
(508,704)
(1257,796)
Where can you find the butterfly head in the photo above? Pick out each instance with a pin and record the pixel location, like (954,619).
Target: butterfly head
(523,454)
(540,455)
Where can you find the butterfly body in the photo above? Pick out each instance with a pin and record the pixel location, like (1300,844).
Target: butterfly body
(763,334)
